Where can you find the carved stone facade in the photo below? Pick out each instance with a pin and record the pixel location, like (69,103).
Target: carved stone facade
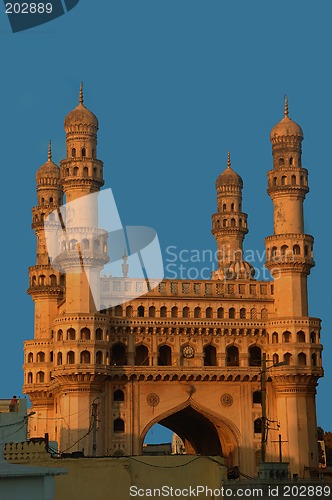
(186,354)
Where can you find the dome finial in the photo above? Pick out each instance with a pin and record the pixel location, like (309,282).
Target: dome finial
(49,153)
(229,159)
(285,105)
(81,98)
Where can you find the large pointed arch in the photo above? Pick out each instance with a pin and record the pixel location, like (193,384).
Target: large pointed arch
(203,431)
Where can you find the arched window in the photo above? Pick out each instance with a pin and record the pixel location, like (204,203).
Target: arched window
(85,357)
(255,356)
(30,378)
(185,312)
(274,252)
(286,336)
(224,222)
(258,426)
(293,180)
(291,161)
(314,359)
(281,162)
(301,359)
(118,425)
(99,358)
(142,356)
(30,357)
(60,335)
(243,313)
(240,222)
(264,313)
(232,356)
(253,313)
(118,310)
(232,207)
(85,334)
(210,355)
(140,311)
(62,280)
(165,356)
(284,249)
(99,334)
(283,180)
(301,180)
(53,280)
(129,311)
(40,357)
(300,336)
(296,250)
(118,395)
(163,312)
(275,338)
(41,280)
(75,171)
(72,244)
(85,171)
(231,313)
(274,182)
(275,359)
(83,152)
(220,312)
(118,354)
(224,207)
(96,245)
(71,334)
(70,358)
(40,377)
(208,312)
(197,312)
(152,312)
(287,358)
(174,312)
(313,337)
(59,358)
(73,152)
(257,397)
(233,222)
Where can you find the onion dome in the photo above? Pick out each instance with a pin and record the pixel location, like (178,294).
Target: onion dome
(239,269)
(286,127)
(229,177)
(49,170)
(81,115)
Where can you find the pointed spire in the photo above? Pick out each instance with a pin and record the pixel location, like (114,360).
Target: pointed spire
(228,159)
(285,105)
(49,153)
(81,97)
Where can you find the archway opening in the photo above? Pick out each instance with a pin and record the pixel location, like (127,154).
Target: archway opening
(197,432)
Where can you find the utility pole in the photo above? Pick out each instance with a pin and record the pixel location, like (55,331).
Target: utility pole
(94,428)
(264,419)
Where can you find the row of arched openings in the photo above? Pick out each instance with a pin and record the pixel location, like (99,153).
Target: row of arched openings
(83,153)
(197,312)
(300,337)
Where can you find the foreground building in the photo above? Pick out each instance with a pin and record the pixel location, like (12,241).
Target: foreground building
(185,354)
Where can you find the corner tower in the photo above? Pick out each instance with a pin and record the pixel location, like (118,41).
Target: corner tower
(229,227)
(289,251)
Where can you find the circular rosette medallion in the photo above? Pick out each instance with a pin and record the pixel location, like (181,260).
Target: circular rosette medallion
(226,400)
(153,399)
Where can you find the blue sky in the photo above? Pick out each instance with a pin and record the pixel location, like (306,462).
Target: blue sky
(175,85)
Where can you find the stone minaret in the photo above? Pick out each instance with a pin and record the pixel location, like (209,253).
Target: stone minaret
(47,287)
(289,251)
(293,335)
(229,227)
